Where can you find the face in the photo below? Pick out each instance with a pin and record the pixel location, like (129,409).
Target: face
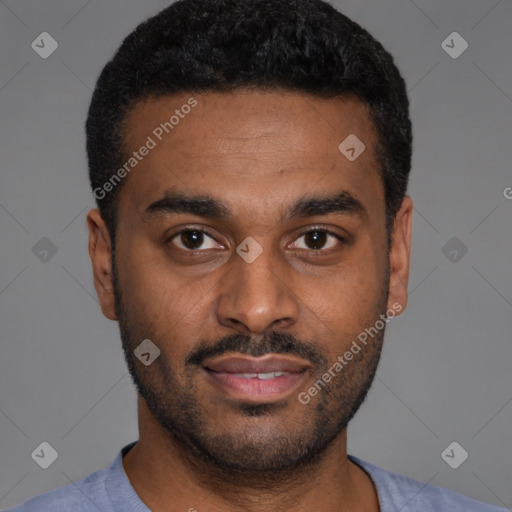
(253,253)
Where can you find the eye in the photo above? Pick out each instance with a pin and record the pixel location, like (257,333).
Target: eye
(317,239)
(194,239)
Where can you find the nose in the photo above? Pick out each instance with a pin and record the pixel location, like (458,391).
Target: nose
(257,296)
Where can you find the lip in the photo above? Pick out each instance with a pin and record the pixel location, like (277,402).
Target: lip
(265,364)
(224,374)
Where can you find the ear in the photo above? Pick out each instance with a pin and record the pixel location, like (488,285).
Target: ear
(399,257)
(100,252)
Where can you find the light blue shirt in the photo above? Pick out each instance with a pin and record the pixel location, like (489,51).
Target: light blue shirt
(109,490)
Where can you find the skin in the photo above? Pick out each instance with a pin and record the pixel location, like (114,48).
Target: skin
(259,152)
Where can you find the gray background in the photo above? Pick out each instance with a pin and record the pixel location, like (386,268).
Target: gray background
(446,372)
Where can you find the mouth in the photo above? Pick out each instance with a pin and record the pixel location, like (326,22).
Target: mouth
(265,379)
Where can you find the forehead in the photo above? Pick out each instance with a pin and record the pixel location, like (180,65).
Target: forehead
(249,146)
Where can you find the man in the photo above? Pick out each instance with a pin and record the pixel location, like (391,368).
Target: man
(250,160)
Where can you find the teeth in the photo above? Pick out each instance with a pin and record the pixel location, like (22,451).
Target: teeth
(262,376)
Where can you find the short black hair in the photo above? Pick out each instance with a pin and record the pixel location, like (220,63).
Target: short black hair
(223,45)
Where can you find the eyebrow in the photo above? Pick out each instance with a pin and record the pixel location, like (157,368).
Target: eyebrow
(209,207)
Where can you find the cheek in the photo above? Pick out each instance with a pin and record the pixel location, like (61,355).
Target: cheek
(150,298)
(146,274)
(352,297)
(161,303)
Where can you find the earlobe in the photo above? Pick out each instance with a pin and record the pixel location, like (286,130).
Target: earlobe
(100,252)
(400,253)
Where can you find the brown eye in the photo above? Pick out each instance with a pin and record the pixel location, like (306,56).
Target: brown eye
(318,239)
(315,239)
(193,239)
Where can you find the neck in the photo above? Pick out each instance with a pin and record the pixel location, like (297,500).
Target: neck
(168,477)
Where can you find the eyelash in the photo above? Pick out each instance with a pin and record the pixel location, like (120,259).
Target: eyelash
(313,230)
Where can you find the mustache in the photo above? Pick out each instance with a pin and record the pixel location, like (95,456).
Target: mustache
(270,343)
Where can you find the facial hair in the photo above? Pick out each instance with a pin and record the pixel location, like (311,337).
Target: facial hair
(297,442)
